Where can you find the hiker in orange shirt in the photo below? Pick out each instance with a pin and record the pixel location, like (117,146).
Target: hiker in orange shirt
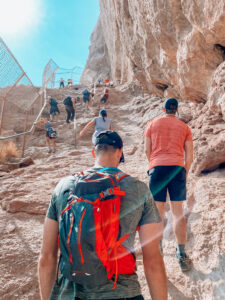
(169,150)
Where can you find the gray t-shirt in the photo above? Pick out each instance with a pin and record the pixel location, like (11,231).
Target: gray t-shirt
(137,208)
(101,125)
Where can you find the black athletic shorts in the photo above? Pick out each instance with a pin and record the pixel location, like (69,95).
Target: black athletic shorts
(171,178)
(85,99)
(103,99)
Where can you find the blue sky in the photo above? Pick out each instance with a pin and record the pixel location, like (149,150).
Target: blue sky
(54,29)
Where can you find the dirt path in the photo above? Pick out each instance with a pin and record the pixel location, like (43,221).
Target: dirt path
(25,194)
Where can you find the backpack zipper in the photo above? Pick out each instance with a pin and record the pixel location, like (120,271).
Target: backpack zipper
(68,239)
(79,237)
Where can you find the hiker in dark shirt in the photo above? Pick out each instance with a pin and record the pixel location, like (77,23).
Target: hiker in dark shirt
(69,109)
(87,97)
(50,135)
(54,110)
(61,83)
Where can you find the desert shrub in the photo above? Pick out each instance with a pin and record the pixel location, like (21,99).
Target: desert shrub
(8,150)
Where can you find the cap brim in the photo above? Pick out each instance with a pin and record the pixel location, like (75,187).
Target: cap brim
(122,158)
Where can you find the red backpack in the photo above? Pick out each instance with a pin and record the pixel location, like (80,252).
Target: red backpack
(91,249)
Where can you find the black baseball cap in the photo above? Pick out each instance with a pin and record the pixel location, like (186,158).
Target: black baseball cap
(103,113)
(171,104)
(111,138)
(108,137)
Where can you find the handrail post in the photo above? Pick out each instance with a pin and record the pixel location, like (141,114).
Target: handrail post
(75,130)
(25,136)
(2,113)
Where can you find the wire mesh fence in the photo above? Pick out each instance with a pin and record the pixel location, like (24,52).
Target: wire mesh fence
(49,73)
(20,101)
(67,76)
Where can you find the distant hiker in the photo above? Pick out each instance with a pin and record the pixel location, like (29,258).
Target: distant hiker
(92,219)
(53,108)
(106,82)
(69,109)
(51,134)
(70,81)
(167,139)
(61,83)
(86,97)
(105,95)
(101,123)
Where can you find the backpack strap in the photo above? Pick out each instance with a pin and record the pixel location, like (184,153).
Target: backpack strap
(120,175)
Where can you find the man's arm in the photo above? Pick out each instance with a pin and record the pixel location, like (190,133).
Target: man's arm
(47,266)
(92,123)
(153,262)
(188,147)
(148,147)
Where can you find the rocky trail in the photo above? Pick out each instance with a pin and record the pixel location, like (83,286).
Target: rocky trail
(25,194)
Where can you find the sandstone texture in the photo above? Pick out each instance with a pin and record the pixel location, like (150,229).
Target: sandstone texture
(25,194)
(174,47)
(98,64)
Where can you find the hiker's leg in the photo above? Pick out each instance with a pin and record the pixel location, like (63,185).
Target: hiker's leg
(68,115)
(158,188)
(47,141)
(52,116)
(48,144)
(161,209)
(179,222)
(53,144)
(72,114)
(177,192)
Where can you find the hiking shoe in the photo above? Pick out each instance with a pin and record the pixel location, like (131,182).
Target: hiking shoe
(53,151)
(49,150)
(184,262)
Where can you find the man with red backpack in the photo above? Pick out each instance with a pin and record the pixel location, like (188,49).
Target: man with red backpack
(92,219)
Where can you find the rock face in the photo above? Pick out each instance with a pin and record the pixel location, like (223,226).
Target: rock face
(172,47)
(98,65)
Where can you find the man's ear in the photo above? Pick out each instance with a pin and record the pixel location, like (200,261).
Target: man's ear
(164,110)
(93,153)
(119,152)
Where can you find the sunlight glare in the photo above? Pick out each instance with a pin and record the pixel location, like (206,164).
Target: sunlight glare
(19,17)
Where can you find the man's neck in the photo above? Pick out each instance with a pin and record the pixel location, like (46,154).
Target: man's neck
(170,115)
(102,165)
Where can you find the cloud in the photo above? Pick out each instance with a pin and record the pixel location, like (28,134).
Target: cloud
(20,18)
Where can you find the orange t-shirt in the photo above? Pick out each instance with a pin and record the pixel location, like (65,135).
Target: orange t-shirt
(168,135)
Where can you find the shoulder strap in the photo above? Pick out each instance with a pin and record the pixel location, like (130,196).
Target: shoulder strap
(120,175)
